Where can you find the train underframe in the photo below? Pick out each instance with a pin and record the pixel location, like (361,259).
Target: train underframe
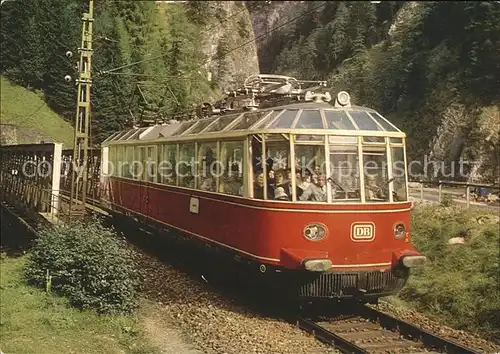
(364,286)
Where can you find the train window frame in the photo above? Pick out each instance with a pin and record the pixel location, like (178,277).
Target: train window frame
(386,121)
(282,139)
(399,179)
(377,150)
(270,126)
(190,130)
(334,112)
(165,157)
(180,151)
(129,155)
(303,115)
(222,155)
(180,130)
(151,170)
(267,119)
(244,115)
(321,148)
(357,189)
(199,162)
(360,119)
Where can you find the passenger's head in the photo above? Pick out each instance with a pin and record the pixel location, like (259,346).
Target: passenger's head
(270,174)
(289,175)
(321,180)
(259,179)
(371,180)
(279,177)
(279,194)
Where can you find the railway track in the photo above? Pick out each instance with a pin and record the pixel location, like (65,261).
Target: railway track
(371,331)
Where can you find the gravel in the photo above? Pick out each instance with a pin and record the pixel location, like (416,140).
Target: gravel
(215,324)
(464,338)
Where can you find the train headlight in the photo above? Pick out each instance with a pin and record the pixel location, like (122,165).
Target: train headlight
(315,232)
(399,230)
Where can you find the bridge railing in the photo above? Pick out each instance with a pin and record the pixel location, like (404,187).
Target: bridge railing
(30,174)
(484,189)
(93,166)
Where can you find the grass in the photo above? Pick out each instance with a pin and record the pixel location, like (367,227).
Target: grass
(35,322)
(27,109)
(460,284)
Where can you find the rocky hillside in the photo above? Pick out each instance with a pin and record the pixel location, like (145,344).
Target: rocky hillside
(151,59)
(230,28)
(431,67)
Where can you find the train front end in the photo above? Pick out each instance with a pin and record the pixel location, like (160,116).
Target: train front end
(347,233)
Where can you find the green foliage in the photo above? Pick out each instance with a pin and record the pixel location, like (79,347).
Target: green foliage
(88,264)
(461,282)
(439,53)
(29,314)
(36,38)
(26,109)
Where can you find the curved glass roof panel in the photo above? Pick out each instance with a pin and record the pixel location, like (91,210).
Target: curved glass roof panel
(324,117)
(185,126)
(285,120)
(249,119)
(383,122)
(221,123)
(310,119)
(364,121)
(338,120)
(202,124)
(267,119)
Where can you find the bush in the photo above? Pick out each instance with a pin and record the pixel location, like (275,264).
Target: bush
(461,282)
(87,263)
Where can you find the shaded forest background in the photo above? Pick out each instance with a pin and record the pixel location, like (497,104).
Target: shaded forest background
(433,68)
(166,40)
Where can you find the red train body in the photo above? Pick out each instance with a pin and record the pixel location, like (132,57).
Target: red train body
(354,243)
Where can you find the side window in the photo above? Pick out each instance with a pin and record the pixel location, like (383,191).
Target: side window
(398,174)
(138,163)
(375,171)
(207,166)
(151,164)
(112,160)
(128,162)
(259,179)
(310,162)
(186,166)
(344,168)
(231,176)
(279,174)
(166,165)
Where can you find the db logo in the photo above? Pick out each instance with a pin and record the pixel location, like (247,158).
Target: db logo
(362,232)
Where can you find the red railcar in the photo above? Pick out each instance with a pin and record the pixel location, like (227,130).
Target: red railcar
(313,192)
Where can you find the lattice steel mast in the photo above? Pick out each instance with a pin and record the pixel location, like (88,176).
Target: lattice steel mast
(82,121)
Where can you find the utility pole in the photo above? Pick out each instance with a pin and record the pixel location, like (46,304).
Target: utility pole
(82,121)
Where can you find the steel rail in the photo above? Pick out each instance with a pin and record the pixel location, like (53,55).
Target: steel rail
(329,337)
(387,322)
(409,330)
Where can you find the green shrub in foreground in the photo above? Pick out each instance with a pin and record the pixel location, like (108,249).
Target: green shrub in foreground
(461,282)
(87,263)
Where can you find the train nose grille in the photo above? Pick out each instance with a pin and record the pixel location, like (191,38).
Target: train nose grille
(348,284)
